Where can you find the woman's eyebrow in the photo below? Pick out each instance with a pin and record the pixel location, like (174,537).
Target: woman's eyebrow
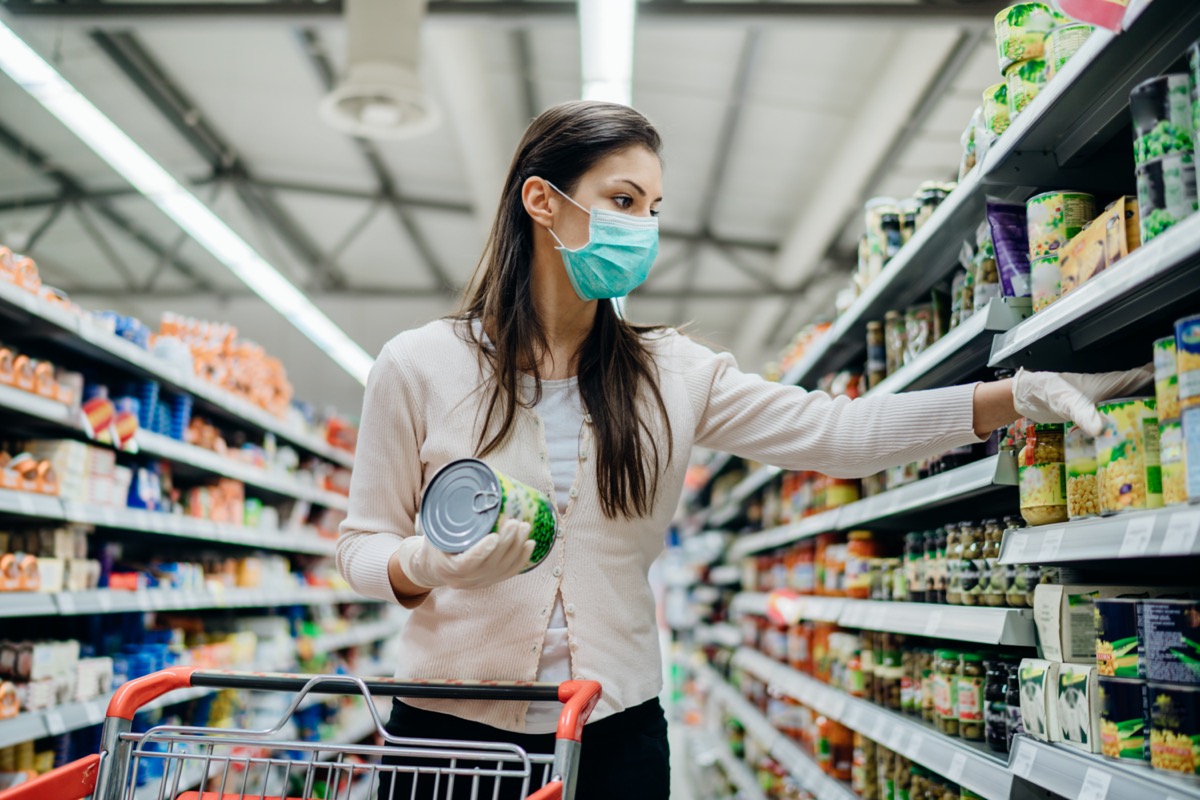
(639,189)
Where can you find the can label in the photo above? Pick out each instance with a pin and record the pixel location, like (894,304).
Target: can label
(1166,378)
(1174,728)
(1062,43)
(1021,32)
(945,696)
(1162,117)
(1174,478)
(1187,357)
(1171,640)
(1121,452)
(970,699)
(1053,218)
(1025,79)
(1166,189)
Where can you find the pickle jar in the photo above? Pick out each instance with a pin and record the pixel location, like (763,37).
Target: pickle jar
(1082,498)
(994,572)
(902,778)
(972,677)
(971,565)
(909,681)
(928,693)
(1042,474)
(952,579)
(945,691)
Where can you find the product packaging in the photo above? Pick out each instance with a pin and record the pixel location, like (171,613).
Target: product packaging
(1170,631)
(1010,237)
(1077,712)
(1124,719)
(1038,678)
(1021,31)
(1062,43)
(1118,639)
(1066,622)
(1166,189)
(1162,118)
(1187,357)
(1174,466)
(1101,244)
(1128,462)
(1174,727)
(1025,80)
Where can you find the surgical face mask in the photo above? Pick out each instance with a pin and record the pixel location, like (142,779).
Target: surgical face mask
(618,256)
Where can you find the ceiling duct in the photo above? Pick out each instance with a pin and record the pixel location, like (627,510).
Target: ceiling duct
(381,96)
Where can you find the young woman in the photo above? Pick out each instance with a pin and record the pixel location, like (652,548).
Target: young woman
(541,378)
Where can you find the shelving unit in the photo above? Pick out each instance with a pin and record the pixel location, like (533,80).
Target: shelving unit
(107,601)
(1163,532)
(1073,773)
(358,635)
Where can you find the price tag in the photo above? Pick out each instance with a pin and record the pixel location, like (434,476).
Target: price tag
(1095,785)
(66,603)
(1181,534)
(1016,547)
(27,503)
(94,712)
(933,623)
(957,765)
(1050,545)
(1022,763)
(55,723)
(1137,537)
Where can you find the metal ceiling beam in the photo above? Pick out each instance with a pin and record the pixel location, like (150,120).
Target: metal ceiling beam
(45,225)
(423,293)
(71,188)
(181,111)
(104,246)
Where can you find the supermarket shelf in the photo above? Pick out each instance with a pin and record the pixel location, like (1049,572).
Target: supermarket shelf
(1000,626)
(961,352)
(722,634)
(752,483)
(716,465)
(36,406)
(209,461)
(107,601)
(88,339)
(1163,272)
(957,484)
(791,757)
(1145,534)
(357,636)
(972,767)
(26,604)
(29,504)
(1066,771)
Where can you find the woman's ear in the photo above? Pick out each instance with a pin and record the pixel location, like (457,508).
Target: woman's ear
(536,196)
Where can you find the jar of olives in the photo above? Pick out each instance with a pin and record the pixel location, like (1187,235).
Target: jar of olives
(994,573)
(971,566)
(902,778)
(953,579)
(995,714)
(971,680)
(945,692)
(862,769)
(928,690)
(1042,472)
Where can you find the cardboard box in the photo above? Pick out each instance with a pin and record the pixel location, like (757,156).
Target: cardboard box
(1066,622)
(1077,707)
(1038,679)
(1105,241)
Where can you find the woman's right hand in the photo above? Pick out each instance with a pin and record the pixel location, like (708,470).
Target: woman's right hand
(494,558)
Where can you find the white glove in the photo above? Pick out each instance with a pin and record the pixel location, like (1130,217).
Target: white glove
(494,558)
(1071,396)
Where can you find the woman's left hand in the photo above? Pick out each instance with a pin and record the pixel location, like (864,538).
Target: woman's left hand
(1071,396)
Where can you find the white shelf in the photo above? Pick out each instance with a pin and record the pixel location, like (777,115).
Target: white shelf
(972,767)
(107,601)
(34,405)
(29,504)
(1163,532)
(722,634)
(1064,770)
(957,484)
(359,635)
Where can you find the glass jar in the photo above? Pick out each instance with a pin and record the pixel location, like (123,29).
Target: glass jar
(870,659)
(909,682)
(884,766)
(920,782)
(1042,472)
(799,647)
(855,685)
(972,565)
(902,778)
(895,338)
(994,581)
(995,715)
(876,354)
(953,555)
(928,690)
(1015,577)
(929,561)
(914,566)
(878,579)
(860,549)
(899,580)
(1012,699)
(971,680)
(862,770)
(889,672)
(1082,498)
(945,692)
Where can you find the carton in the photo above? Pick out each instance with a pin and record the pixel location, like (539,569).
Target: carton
(1077,709)
(1038,678)
(1065,619)
(1105,241)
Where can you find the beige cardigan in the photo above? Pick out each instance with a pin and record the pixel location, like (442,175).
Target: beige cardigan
(421,410)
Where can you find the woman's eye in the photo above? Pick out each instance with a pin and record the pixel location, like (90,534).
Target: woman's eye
(654,212)
(623,201)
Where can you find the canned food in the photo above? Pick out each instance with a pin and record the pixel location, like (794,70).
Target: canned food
(1187,356)
(1166,378)
(1062,43)
(1174,727)
(1082,500)
(1174,467)
(1054,217)
(1166,193)
(1171,640)
(1046,278)
(1193,56)
(995,108)
(466,500)
(1042,475)
(1190,423)
(1025,80)
(1124,454)
(1162,117)
(1123,720)
(1117,636)
(1021,32)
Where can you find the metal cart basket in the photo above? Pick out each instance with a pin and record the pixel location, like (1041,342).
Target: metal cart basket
(171,762)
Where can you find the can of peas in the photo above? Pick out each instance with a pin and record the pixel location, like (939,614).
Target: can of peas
(466,500)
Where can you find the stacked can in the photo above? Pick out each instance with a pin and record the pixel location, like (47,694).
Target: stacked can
(1053,218)
(1128,467)
(995,108)
(1062,43)
(1163,151)
(1170,430)
(1021,34)
(1187,365)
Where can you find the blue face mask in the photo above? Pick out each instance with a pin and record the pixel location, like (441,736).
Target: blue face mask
(618,256)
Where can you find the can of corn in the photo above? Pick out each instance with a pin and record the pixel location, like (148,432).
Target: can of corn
(1166,378)
(1128,467)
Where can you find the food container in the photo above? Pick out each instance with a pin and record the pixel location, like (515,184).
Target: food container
(1046,279)
(1174,467)
(1077,710)
(1171,640)
(466,500)
(969,696)
(1117,636)
(945,692)
(1042,472)
(1174,727)
(1102,243)
(876,354)
(1162,118)
(995,108)
(1187,356)
(1082,499)
(1010,238)
(1166,378)
(1193,56)
(1062,43)
(1190,422)
(930,195)
(895,338)
(1066,621)
(1123,720)
(1054,217)
(1166,190)
(1037,678)
(918,330)
(1021,32)
(1128,472)
(983,265)
(1025,80)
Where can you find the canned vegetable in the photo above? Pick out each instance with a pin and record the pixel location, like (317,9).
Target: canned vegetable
(1025,79)
(1128,470)
(1021,31)
(995,108)
(1187,356)
(1162,117)
(1054,217)
(1062,43)
(1191,451)
(1166,378)
(1117,636)
(1046,277)
(1166,189)
(1082,499)
(1174,727)
(1170,632)
(1123,719)
(1174,468)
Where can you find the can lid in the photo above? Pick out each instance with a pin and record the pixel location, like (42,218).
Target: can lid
(461,505)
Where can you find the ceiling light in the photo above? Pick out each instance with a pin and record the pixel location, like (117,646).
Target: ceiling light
(112,144)
(606,36)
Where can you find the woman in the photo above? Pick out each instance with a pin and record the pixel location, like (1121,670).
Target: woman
(541,378)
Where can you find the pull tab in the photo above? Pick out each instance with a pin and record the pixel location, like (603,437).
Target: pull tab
(485,500)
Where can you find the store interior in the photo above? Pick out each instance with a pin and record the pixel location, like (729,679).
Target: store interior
(214,215)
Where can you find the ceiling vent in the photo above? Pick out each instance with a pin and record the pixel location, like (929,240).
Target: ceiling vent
(380,96)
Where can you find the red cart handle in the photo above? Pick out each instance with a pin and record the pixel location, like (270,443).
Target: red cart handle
(69,782)
(579,698)
(132,695)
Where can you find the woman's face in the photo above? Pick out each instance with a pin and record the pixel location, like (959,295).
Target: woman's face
(628,181)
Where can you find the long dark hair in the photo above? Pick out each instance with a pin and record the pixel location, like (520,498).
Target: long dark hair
(614,364)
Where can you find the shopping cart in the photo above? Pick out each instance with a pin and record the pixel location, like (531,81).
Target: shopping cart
(172,762)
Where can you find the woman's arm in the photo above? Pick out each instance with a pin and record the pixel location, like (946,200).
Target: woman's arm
(992,406)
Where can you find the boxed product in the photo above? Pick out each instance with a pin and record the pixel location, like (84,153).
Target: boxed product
(1124,719)
(1077,710)
(1038,711)
(1170,634)
(1174,727)
(1065,619)
(1101,244)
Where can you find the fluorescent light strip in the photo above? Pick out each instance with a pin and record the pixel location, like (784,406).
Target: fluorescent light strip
(606,36)
(112,144)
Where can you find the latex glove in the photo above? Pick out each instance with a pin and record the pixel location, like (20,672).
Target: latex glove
(1072,396)
(494,558)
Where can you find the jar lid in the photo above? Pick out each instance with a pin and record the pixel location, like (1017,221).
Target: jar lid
(972,657)
(1048,426)
(858,536)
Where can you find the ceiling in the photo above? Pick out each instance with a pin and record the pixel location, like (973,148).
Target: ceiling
(779,118)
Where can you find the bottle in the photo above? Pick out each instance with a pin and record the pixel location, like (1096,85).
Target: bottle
(860,549)
(876,354)
(945,691)
(943,542)
(971,566)
(995,694)
(993,571)
(953,558)
(914,563)
(855,685)
(929,565)
(1012,699)
(971,684)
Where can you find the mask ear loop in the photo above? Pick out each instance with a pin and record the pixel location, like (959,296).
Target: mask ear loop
(570,200)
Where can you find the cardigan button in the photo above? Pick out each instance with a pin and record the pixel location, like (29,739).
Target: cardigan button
(557,571)
(570,608)
(574,492)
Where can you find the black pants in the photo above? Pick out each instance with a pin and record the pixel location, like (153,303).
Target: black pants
(624,756)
